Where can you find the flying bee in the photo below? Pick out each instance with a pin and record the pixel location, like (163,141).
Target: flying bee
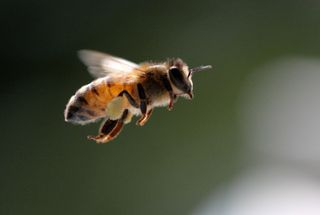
(123,89)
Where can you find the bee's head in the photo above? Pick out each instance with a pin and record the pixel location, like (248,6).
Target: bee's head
(181,77)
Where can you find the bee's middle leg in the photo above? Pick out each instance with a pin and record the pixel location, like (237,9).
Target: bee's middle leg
(145,118)
(130,98)
(168,87)
(110,129)
(143,106)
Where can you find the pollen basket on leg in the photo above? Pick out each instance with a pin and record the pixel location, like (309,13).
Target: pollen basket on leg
(115,108)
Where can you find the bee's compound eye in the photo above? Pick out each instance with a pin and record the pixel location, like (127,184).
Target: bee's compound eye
(179,80)
(176,74)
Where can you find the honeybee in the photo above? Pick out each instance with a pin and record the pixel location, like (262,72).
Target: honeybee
(123,89)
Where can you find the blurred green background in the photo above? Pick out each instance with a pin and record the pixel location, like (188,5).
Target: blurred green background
(170,165)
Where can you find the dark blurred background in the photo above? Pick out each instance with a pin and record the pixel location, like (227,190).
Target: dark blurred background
(178,158)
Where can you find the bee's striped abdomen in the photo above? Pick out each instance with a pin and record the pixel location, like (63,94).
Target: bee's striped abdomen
(90,102)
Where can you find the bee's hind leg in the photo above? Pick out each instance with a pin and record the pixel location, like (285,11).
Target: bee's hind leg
(110,129)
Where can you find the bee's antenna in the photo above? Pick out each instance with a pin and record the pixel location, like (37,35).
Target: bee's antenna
(199,69)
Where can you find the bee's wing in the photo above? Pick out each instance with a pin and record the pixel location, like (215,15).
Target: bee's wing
(100,64)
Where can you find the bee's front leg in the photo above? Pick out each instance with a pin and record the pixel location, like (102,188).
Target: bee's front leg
(172,99)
